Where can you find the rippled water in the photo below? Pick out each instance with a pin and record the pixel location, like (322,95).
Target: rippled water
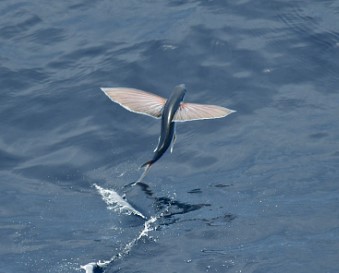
(255,192)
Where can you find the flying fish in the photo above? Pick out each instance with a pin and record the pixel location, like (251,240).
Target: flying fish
(170,111)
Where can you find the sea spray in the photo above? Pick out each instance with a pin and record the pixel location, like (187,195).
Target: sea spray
(117,203)
(96,267)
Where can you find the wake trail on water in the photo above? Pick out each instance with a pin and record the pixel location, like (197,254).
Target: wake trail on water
(99,266)
(117,203)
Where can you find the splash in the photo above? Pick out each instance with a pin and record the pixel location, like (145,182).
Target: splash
(117,203)
(96,267)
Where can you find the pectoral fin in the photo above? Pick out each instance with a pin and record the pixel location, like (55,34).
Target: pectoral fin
(137,101)
(194,111)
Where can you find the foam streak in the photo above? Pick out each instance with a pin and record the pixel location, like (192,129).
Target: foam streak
(115,202)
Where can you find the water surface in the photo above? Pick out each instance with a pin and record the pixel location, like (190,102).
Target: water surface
(254,192)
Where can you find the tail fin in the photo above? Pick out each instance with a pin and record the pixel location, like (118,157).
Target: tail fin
(147,166)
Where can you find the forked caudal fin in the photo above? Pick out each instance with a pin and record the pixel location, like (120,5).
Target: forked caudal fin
(147,166)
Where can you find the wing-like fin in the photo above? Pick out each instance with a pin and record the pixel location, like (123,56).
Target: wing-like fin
(137,101)
(194,111)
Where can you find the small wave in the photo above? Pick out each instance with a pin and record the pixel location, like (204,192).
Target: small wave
(314,23)
(117,203)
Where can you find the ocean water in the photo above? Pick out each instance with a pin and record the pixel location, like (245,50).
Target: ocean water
(257,191)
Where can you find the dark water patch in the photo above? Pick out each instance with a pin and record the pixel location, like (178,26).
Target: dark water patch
(222,185)
(9,160)
(177,207)
(204,161)
(312,25)
(64,176)
(317,36)
(13,7)
(319,135)
(81,5)
(221,220)
(10,31)
(171,206)
(146,189)
(288,104)
(194,191)
(246,8)
(14,81)
(60,64)
(48,36)
(89,52)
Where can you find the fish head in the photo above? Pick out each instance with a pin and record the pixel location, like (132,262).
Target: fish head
(180,91)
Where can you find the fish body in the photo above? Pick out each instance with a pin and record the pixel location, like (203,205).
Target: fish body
(167,124)
(170,111)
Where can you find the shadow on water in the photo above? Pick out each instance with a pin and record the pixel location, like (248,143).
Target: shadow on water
(160,205)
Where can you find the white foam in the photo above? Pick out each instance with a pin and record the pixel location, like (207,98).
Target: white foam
(90,267)
(144,232)
(117,203)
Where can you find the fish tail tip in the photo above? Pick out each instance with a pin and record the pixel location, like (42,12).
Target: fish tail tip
(147,164)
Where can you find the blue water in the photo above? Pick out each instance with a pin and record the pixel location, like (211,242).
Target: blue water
(257,191)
